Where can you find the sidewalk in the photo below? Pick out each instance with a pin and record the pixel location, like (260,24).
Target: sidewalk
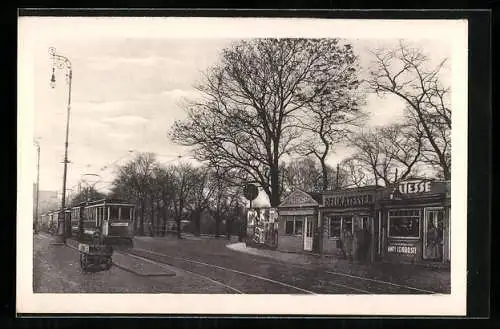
(190,236)
(436,279)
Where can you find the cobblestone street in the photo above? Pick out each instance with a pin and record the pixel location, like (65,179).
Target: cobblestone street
(209,265)
(57,270)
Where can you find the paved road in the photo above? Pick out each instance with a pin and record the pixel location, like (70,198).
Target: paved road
(56,270)
(255,274)
(208,266)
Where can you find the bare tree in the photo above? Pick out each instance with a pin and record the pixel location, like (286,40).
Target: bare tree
(247,118)
(204,187)
(164,184)
(88,193)
(355,172)
(223,201)
(134,182)
(406,73)
(185,181)
(388,153)
(301,173)
(330,116)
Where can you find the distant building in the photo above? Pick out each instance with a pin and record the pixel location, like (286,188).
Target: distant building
(47,200)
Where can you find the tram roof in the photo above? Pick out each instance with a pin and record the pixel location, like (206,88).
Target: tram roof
(107,201)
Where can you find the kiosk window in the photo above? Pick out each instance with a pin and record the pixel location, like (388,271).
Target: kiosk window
(404,223)
(289,227)
(294,226)
(335,225)
(347,224)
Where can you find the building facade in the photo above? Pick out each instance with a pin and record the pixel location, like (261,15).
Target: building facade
(298,222)
(409,222)
(415,222)
(349,224)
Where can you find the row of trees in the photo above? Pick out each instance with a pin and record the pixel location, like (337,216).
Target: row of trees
(175,192)
(271,111)
(269,100)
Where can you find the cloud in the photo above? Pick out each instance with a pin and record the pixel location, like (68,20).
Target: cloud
(119,136)
(107,63)
(126,120)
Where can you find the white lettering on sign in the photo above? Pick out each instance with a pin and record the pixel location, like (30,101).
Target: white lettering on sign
(400,249)
(348,200)
(410,187)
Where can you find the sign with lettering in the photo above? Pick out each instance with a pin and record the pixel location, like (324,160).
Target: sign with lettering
(401,248)
(344,201)
(417,186)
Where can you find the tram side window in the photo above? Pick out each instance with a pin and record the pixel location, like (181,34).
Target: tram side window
(125,213)
(404,223)
(114,212)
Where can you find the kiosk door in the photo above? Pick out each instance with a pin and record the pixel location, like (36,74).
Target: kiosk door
(308,233)
(433,234)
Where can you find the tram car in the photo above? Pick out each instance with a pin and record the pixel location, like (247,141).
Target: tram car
(49,222)
(111,219)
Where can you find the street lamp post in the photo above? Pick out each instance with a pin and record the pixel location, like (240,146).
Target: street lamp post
(37,185)
(62,62)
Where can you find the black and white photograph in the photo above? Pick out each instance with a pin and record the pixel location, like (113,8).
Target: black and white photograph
(242,166)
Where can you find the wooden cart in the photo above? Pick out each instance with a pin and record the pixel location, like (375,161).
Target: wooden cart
(95,256)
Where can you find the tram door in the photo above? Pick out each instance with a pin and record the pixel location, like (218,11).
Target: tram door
(105,221)
(308,233)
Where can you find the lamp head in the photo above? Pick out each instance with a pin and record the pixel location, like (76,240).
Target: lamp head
(53,80)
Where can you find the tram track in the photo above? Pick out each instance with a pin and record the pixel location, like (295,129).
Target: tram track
(353,283)
(259,277)
(190,272)
(263,285)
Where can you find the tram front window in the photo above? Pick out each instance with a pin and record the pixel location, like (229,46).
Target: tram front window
(125,213)
(113,212)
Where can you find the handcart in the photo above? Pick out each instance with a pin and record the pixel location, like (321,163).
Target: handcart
(95,256)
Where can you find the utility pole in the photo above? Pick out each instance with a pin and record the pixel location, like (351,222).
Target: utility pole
(37,185)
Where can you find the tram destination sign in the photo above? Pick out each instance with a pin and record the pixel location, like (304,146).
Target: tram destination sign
(344,201)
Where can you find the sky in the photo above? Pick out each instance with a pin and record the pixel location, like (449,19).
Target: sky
(127,90)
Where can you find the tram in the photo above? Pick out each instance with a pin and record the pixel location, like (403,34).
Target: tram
(112,219)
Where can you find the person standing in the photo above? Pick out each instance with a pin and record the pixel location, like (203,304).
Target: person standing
(358,244)
(347,242)
(432,242)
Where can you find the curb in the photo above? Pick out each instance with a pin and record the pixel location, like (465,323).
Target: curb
(333,257)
